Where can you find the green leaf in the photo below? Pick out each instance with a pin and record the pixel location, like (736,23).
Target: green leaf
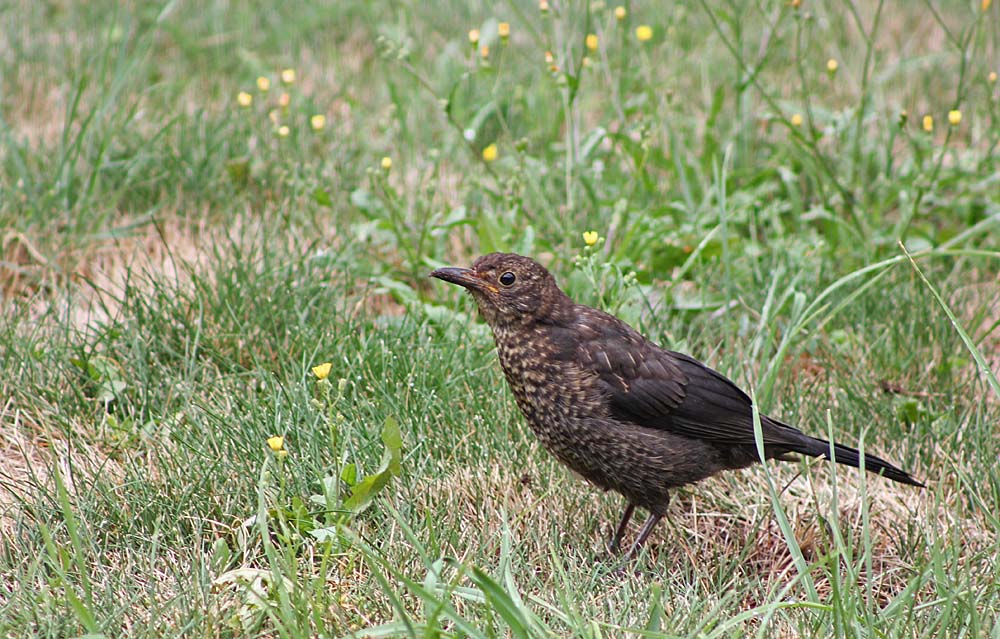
(349,474)
(364,491)
(365,202)
(239,171)
(393,441)
(321,197)
(104,394)
(328,533)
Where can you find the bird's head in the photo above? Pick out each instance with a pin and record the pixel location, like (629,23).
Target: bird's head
(509,288)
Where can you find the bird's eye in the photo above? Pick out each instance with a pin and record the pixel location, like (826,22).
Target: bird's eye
(507,279)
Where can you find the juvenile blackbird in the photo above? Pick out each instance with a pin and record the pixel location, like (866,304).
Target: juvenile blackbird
(619,410)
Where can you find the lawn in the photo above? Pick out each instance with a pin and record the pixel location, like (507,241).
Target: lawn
(232,403)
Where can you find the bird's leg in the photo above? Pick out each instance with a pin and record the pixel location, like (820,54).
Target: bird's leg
(616,542)
(647,528)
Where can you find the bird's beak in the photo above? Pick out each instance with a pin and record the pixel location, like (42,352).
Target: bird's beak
(463,277)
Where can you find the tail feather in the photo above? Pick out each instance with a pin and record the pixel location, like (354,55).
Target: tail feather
(852,457)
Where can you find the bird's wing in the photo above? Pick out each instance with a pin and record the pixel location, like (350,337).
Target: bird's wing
(664,390)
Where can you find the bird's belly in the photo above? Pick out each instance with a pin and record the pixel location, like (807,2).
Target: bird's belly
(641,464)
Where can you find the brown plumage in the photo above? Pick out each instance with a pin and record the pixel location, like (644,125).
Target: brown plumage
(619,410)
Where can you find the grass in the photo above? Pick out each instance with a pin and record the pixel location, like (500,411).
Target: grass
(173,265)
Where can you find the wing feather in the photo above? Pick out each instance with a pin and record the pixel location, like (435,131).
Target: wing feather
(664,390)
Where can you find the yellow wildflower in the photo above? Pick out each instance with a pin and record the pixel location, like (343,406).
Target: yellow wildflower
(796,4)
(591,41)
(590,237)
(832,65)
(284,99)
(276,443)
(620,13)
(484,52)
(490,153)
(928,123)
(992,77)
(386,164)
(272,115)
(503,30)
(288,76)
(283,130)
(797,120)
(954,117)
(543,6)
(986,4)
(322,371)
(244,99)
(264,84)
(317,122)
(474,37)
(644,32)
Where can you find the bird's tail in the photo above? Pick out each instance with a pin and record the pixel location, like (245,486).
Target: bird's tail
(852,457)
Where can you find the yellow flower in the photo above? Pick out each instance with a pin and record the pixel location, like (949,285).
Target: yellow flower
(543,6)
(928,123)
(796,4)
(484,52)
(986,4)
(273,115)
(276,443)
(474,37)
(490,153)
(992,77)
(283,131)
(644,32)
(386,164)
(954,117)
(323,370)
(284,99)
(244,99)
(590,237)
(591,41)
(585,61)
(317,122)
(503,30)
(288,76)
(797,120)
(264,84)
(831,65)
(620,13)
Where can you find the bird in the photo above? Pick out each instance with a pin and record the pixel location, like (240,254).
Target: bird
(619,410)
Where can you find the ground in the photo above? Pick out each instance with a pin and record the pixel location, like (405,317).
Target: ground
(802,196)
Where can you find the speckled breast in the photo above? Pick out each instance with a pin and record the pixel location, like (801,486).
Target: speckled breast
(555,395)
